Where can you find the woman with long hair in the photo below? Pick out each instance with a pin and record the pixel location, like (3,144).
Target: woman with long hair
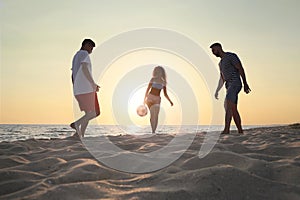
(152,98)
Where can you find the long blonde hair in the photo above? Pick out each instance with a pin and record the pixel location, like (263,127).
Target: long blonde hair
(160,74)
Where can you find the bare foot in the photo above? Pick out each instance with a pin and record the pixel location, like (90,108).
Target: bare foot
(76,128)
(75,135)
(72,125)
(224,132)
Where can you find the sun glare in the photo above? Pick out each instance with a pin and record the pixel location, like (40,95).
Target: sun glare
(168,115)
(136,99)
(125,90)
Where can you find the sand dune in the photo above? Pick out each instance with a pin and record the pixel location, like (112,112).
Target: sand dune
(264,163)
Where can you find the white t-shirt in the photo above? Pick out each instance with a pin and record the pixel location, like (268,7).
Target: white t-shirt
(81,84)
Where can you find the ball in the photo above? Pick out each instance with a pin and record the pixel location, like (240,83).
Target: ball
(142,110)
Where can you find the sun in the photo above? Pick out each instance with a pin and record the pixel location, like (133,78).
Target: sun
(168,115)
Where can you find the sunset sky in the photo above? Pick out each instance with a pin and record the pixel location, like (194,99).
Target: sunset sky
(40,38)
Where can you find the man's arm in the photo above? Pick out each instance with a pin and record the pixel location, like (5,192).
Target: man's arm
(89,76)
(243,75)
(220,85)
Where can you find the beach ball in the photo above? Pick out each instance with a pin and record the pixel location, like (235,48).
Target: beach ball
(142,110)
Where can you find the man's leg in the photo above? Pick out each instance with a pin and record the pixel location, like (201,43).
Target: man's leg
(228,116)
(81,124)
(88,116)
(76,125)
(237,118)
(232,112)
(231,109)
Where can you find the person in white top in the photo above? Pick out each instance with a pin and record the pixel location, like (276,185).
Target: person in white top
(84,87)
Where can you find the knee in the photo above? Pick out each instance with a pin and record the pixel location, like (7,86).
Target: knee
(92,114)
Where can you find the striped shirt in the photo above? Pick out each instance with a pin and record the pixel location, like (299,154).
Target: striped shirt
(229,71)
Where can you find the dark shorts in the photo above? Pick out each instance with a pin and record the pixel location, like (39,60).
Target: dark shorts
(88,102)
(232,93)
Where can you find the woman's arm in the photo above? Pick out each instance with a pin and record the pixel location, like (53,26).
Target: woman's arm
(167,96)
(147,91)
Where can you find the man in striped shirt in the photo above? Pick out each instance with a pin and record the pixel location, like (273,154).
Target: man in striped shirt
(231,70)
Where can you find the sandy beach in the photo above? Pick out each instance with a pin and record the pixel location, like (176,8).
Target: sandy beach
(263,163)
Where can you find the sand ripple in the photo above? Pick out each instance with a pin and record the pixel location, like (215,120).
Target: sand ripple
(264,163)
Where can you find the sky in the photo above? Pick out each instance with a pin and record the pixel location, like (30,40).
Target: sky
(40,38)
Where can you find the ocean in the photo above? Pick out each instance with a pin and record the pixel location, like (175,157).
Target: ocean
(14,132)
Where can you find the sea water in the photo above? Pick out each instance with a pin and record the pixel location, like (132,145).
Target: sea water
(13,132)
